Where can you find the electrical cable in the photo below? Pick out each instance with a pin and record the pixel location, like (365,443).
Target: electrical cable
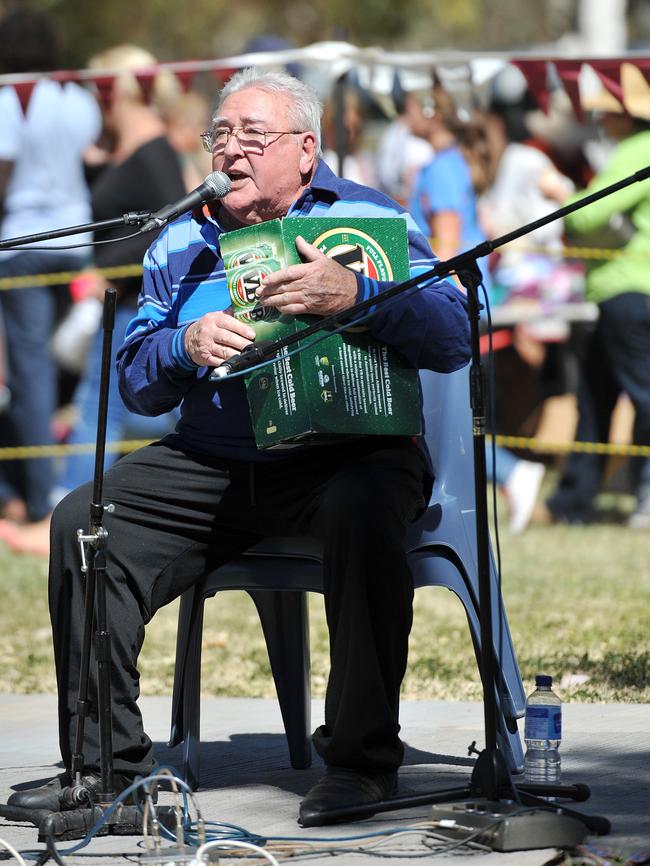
(293,847)
(235,844)
(103,818)
(495,516)
(52,851)
(10,848)
(340,845)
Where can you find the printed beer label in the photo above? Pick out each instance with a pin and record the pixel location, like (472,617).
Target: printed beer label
(341,383)
(249,256)
(357,251)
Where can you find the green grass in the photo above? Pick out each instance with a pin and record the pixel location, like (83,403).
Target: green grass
(578,602)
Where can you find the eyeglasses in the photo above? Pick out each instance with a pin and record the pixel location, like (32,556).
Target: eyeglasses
(250,140)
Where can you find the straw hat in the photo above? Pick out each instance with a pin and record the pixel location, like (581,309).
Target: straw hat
(636,96)
(636,91)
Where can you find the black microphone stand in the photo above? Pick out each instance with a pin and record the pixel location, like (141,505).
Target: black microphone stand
(75,822)
(81,812)
(499,813)
(132,218)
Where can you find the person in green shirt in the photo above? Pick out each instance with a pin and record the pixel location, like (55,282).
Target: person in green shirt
(618,351)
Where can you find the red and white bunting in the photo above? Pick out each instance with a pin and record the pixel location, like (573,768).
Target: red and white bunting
(338,57)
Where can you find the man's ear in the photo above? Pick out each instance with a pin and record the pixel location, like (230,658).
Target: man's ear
(308,155)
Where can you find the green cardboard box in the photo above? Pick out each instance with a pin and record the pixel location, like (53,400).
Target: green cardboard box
(347,383)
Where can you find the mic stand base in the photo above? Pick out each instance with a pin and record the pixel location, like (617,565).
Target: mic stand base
(513,815)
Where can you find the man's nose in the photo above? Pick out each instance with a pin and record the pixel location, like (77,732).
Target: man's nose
(233,144)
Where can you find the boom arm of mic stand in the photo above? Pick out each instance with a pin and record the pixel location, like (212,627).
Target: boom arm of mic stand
(456,264)
(132,218)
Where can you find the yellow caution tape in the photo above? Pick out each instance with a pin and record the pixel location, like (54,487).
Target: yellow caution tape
(64,277)
(27,452)
(121,271)
(541,447)
(571,252)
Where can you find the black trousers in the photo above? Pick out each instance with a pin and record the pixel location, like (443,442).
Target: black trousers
(178,515)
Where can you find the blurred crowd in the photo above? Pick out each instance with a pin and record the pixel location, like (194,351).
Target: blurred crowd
(466,171)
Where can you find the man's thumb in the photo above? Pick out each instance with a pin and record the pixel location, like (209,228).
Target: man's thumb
(307,251)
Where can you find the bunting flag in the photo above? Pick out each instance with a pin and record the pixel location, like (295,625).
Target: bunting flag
(609,72)
(146,79)
(222,75)
(104,85)
(336,59)
(536,74)
(24,93)
(569,72)
(185,78)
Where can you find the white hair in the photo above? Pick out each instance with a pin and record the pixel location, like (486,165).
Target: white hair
(305,107)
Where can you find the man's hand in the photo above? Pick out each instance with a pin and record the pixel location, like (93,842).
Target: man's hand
(320,286)
(215,337)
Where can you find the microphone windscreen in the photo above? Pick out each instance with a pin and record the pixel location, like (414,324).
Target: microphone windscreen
(219,183)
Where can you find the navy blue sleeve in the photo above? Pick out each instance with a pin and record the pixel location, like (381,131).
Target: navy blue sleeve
(154,369)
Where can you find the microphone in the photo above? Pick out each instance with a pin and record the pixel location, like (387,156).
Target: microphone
(216,185)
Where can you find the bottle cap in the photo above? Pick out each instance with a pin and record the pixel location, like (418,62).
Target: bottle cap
(543,680)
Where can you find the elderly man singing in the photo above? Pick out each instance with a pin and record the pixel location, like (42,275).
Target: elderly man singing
(204,494)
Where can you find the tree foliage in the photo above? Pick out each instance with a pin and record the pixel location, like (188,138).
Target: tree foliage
(215,28)
(197,29)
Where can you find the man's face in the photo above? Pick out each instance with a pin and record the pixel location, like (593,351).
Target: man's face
(264,183)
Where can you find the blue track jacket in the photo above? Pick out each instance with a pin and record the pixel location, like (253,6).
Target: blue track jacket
(184,279)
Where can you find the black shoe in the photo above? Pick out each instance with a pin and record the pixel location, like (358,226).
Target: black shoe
(341,790)
(44,797)
(58,795)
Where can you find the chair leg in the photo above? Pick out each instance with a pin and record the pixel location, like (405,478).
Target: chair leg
(185,620)
(507,730)
(285,622)
(186,700)
(510,743)
(192,705)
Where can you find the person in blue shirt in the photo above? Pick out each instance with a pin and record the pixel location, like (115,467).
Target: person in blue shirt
(444,205)
(42,188)
(444,198)
(204,494)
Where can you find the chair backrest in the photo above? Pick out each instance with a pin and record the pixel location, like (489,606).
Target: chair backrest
(448,433)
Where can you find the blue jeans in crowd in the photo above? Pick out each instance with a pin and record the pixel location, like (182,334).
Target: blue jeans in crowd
(505,462)
(28,316)
(121,423)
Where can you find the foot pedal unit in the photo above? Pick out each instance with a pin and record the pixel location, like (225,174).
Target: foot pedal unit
(506,826)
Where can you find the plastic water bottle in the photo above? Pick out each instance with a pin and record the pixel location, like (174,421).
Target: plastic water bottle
(542,733)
